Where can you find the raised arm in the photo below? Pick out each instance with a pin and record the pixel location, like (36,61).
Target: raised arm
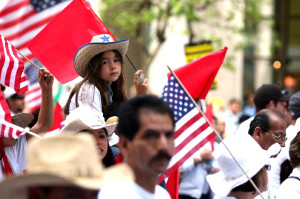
(46,114)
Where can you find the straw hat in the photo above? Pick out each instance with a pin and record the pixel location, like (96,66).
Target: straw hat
(63,160)
(84,117)
(99,44)
(247,152)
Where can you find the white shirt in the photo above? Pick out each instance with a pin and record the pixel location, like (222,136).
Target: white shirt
(244,126)
(133,191)
(194,182)
(274,173)
(16,156)
(87,95)
(290,188)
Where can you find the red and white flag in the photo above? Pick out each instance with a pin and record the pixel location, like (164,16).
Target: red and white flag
(7,129)
(21,20)
(11,68)
(10,130)
(191,129)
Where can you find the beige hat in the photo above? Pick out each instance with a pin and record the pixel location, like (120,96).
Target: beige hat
(63,160)
(84,117)
(99,44)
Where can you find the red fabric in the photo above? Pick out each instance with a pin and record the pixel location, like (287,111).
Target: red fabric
(58,117)
(173,184)
(56,45)
(11,67)
(119,159)
(7,169)
(198,76)
(210,117)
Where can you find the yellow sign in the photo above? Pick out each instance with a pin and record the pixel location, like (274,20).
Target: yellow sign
(198,50)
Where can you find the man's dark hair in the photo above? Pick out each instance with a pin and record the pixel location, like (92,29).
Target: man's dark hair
(262,120)
(265,94)
(129,112)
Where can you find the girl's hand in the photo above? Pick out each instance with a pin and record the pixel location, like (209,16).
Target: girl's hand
(45,79)
(141,88)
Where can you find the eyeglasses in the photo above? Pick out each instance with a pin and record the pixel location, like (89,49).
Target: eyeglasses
(278,137)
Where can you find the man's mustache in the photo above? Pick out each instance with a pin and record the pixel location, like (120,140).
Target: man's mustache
(160,155)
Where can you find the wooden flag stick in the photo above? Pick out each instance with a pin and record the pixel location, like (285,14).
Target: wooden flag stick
(217,133)
(27,59)
(32,133)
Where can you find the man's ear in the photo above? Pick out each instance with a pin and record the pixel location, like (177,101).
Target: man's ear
(257,133)
(123,146)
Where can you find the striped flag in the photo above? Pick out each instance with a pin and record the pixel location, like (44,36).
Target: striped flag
(7,129)
(21,20)
(10,130)
(191,129)
(33,97)
(11,68)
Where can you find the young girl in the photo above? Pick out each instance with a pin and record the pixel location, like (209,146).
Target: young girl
(100,63)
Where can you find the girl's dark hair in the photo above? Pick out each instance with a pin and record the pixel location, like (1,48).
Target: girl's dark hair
(247,186)
(118,87)
(109,159)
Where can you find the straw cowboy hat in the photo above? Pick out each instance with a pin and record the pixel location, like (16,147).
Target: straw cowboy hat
(63,160)
(99,44)
(250,156)
(84,117)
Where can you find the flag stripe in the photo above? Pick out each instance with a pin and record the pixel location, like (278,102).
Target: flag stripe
(11,68)
(10,130)
(187,155)
(191,137)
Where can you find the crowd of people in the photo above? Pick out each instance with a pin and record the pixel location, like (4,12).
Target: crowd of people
(113,147)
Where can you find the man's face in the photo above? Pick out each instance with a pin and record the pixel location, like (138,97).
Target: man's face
(151,148)
(277,128)
(16,104)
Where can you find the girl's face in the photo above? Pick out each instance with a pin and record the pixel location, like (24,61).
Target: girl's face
(102,141)
(110,67)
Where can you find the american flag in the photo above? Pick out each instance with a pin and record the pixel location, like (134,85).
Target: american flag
(11,67)
(33,97)
(21,20)
(7,129)
(191,129)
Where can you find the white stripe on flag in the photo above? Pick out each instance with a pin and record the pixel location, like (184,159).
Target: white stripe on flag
(190,145)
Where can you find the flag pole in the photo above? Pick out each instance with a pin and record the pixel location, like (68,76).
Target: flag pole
(27,59)
(32,133)
(141,76)
(217,133)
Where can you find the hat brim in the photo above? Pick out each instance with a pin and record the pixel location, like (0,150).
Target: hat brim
(22,120)
(78,126)
(222,187)
(16,187)
(86,52)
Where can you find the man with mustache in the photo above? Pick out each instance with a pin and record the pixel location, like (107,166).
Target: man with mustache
(146,130)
